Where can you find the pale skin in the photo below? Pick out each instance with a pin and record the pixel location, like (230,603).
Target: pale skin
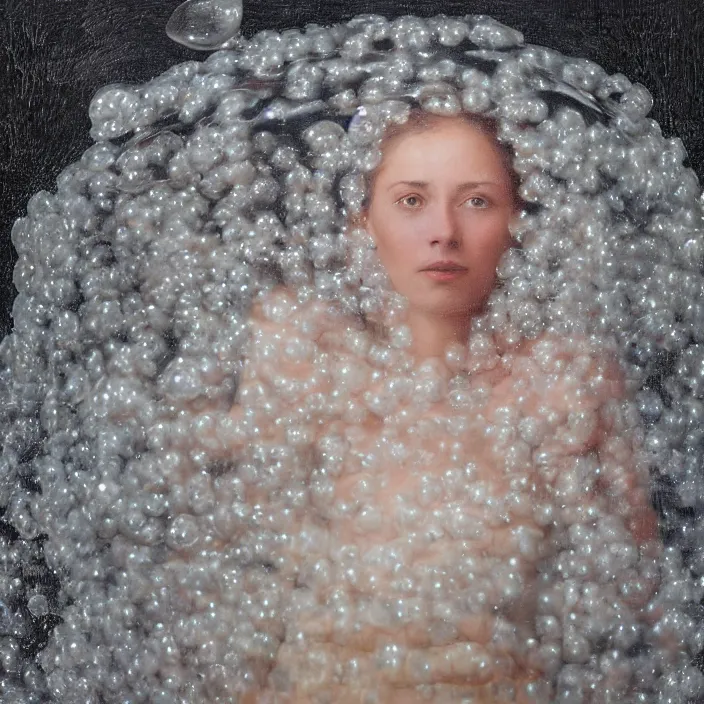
(441,194)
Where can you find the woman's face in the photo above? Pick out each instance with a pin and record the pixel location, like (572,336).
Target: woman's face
(439,213)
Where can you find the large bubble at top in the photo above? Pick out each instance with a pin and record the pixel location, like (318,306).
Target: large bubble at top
(146,560)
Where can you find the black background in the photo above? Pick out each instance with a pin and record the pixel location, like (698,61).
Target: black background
(54,54)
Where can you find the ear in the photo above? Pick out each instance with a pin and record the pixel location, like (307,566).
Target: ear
(516,215)
(366,222)
(360,221)
(356,220)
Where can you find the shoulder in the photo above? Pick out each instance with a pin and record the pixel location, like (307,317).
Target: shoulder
(301,311)
(292,331)
(567,376)
(578,359)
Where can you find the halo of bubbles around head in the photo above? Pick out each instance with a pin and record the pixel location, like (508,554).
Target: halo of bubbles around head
(222,178)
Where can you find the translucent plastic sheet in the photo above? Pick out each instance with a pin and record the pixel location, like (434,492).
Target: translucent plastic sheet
(176,550)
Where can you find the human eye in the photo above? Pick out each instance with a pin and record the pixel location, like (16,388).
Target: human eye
(411,201)
(477,202)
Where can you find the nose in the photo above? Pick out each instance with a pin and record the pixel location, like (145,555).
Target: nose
(444,231)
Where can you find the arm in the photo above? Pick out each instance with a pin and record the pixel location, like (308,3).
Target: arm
(284,365)
(585,396)
(281,371)
(604,570)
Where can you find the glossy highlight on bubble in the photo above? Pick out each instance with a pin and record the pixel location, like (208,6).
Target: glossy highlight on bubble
(205,25)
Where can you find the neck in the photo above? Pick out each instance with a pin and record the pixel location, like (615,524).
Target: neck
(433,334)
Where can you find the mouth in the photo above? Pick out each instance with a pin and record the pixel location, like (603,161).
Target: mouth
(444,271)
(445,267)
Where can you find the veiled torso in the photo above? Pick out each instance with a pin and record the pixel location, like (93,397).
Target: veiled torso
(416,503)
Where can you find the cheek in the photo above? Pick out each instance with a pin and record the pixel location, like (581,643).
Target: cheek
(403,234)
(399,256)
(489,240)
(394,236)
(397,259)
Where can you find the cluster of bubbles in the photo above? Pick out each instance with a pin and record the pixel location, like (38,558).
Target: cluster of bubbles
(158,547)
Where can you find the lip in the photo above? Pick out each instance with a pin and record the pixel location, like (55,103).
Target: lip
(445,266)
(444,274)
(444,270)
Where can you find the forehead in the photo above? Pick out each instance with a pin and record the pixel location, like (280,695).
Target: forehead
(442,146)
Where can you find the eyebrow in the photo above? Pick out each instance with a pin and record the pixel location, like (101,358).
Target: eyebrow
(461,187)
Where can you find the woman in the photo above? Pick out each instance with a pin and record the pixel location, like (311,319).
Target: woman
(414,476)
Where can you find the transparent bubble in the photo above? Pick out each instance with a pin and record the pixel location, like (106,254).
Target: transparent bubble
(205,24)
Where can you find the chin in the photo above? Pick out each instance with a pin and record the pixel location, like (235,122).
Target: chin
(451,309)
